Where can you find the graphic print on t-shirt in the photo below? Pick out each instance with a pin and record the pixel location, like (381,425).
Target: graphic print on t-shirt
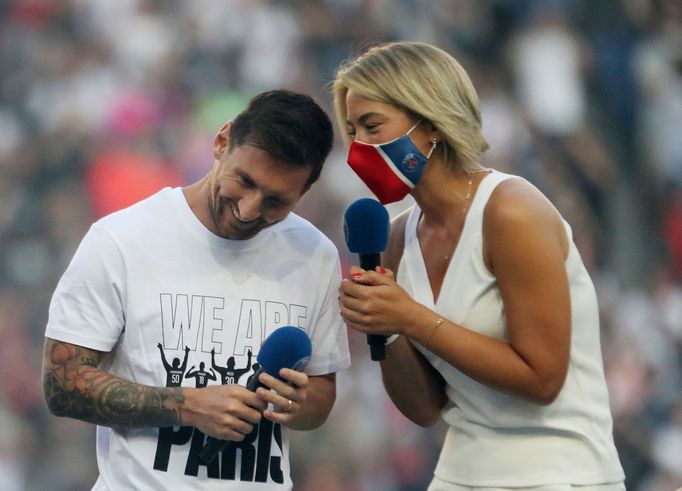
(228,374)
(202,376)
(175,371)
(211,329)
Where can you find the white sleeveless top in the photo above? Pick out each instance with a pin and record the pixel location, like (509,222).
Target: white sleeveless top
(496,439)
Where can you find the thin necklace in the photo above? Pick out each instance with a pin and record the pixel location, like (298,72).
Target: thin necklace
(467,196)
(467,199)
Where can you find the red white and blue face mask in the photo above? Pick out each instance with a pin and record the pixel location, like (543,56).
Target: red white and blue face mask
(390,170)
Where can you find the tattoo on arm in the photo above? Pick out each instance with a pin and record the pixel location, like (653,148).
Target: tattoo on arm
(74,386)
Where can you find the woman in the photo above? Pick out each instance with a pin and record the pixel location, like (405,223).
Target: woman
(492,317)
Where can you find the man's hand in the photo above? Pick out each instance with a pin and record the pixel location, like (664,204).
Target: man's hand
(227,412)
(287,398)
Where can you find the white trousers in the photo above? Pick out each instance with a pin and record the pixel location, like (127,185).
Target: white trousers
(440,485)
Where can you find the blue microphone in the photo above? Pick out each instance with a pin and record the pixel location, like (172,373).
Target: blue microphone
(366,226)
(285,347)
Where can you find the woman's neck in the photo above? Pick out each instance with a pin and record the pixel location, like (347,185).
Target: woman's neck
(442,193)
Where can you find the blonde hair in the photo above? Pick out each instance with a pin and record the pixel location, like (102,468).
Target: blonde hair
(422,80)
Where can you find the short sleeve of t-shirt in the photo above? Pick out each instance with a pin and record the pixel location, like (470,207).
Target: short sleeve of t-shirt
(87,305)
(328,331)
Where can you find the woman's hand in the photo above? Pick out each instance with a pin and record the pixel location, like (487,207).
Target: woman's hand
(373,303)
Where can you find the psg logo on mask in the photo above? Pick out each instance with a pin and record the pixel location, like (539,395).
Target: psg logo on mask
(410,162)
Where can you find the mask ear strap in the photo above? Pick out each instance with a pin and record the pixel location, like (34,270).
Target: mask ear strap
(415,125)
(434,140)
(433,147)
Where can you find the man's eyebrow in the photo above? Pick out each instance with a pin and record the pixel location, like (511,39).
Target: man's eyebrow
(243,175)
(272,196)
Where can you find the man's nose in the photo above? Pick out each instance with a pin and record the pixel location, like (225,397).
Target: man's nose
(250,206)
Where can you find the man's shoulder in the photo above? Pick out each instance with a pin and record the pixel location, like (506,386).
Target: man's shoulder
(140,214)
(298,228)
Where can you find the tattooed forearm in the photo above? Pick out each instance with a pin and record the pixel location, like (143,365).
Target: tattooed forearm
(74,386)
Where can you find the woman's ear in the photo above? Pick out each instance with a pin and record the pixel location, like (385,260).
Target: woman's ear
(221,142)
(434,133)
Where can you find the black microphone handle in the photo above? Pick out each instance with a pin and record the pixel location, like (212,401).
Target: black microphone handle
(369,260)
(211,449)
(377,342)
(215,445)
(253,382)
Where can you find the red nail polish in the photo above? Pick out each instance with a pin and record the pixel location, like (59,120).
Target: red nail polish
(382,270)
(356,275)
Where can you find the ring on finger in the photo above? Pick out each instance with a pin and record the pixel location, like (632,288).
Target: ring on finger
(290,406)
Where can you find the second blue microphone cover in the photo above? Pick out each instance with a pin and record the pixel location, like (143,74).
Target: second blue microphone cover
(366,226)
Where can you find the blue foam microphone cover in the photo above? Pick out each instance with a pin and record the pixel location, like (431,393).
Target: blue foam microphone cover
(285,347)
(366,226)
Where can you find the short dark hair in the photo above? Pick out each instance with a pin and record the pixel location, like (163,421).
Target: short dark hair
(289,126)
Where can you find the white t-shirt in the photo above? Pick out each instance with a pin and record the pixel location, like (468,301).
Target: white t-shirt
(153,274)
(496,439)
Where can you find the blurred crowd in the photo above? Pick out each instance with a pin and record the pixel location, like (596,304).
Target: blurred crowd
(103,102)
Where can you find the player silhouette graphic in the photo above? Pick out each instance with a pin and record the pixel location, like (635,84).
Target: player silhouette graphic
(228,374)
(201,376)
(174,372)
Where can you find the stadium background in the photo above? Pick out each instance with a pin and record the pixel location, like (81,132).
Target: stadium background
(103,102)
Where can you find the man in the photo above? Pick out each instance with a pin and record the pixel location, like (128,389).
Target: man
(215,266)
